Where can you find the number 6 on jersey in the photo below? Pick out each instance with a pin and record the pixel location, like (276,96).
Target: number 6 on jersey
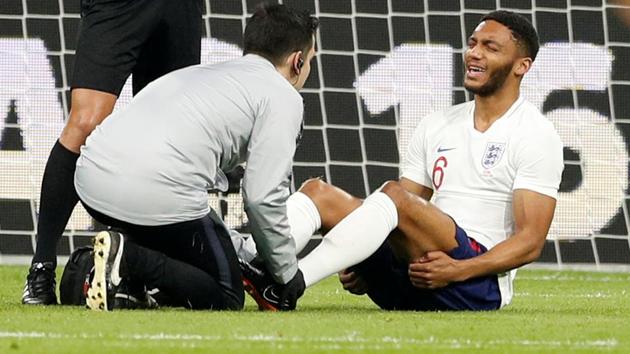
(438,171)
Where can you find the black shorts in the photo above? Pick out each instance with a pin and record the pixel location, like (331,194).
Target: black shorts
(146,38)
(390,288)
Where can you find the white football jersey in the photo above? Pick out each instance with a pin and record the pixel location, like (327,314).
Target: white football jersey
(473,174)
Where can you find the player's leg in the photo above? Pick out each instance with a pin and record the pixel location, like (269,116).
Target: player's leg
(385,279)
(332,203)
(358,230)
(316,204)
(58,196)
(97,84)
(422,227)
(88,109)
(103,62)
(361,233)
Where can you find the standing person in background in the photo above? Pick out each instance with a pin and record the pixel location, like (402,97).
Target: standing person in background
(146,38)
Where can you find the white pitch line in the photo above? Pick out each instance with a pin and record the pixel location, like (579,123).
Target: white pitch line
(338,342)
(565,277)
(597,295)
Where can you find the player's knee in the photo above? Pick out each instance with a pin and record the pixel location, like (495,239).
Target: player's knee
(393,189)
(324,195)
(314,186)
(85,120)
(79,126)
(89,108)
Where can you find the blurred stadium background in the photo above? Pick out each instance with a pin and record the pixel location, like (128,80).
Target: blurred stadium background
(382,65)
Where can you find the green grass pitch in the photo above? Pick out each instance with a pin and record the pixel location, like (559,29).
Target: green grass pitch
(552,312)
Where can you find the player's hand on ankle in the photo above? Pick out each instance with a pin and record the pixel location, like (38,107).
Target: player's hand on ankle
(291,292)
(353,282)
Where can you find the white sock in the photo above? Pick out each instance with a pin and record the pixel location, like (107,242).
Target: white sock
(353,240)
(304,219)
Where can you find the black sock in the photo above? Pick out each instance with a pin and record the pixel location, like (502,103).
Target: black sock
(57,201)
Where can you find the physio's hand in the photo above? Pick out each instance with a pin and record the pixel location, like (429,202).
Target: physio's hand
(291,292)
(434,270)
(352,282)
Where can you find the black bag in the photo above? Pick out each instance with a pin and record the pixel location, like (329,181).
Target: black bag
(75,280)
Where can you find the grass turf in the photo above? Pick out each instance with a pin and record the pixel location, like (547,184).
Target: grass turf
(552,312)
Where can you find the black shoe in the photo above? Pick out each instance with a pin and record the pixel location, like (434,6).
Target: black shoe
(133,296)
(40,285)
(108,252)
(260,286)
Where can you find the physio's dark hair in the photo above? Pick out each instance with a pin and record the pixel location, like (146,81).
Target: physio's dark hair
(275,31)
(521,29)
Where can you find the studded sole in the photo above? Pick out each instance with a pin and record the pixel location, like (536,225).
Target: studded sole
(97,293)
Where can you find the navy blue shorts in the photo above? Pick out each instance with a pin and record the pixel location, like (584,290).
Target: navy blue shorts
(390,288)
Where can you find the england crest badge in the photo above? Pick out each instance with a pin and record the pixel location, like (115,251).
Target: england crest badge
(492,155)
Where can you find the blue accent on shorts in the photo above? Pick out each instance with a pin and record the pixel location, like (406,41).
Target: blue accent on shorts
(391,289)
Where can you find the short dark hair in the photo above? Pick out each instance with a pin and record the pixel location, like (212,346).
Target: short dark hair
(275,31)
(521,28)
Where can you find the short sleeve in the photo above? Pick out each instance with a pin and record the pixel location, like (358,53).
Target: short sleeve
(414,166)
(539,163)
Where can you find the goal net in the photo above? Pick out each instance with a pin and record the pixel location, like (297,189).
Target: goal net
(381,66)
